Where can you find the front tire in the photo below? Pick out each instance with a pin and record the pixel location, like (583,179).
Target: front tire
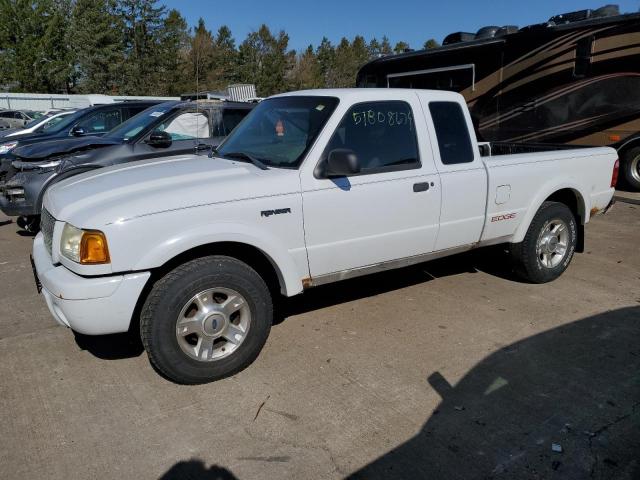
(548,246)
(206,319)
(631,168)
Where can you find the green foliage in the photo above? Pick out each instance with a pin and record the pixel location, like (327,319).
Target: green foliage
(401,47)
(431,43)
(138,47)
(264,59)
(142,22)
(95,35)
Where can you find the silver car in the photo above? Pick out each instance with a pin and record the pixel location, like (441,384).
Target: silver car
(17,118)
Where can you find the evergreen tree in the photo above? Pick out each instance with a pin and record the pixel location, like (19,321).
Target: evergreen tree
(174,45)
(225,59)
(360,52)
(95,33)
(326,54)
(264,60)
(34,52)
(142,22)
(431,43)
(200,58)
(385,46)
(375,49)
(401,47)
(306,73)
(344,65)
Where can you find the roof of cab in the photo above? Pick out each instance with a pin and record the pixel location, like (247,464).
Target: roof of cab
(351,93)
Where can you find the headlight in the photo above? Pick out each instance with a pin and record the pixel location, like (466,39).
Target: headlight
(7,147)
(87,247)
(46,165)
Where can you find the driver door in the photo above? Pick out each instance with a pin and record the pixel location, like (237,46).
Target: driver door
(387,212)
(190,132)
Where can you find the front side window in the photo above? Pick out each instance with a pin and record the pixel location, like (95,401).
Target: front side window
(51,122)
(186,126)
(101,122)
(452,133)
(381,134)
(280,130)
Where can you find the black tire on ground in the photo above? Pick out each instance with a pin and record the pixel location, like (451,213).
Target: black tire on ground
(528,261)
(30,223)
(172,292)
(630,166)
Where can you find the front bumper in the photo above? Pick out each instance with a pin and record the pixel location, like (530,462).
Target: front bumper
(89,305)
(21,194)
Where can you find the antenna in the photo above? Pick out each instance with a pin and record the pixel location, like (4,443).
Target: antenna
(195,147)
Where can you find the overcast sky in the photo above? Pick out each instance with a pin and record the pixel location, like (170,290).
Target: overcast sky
(413,21)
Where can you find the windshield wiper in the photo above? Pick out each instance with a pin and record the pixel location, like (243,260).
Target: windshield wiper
(246,156)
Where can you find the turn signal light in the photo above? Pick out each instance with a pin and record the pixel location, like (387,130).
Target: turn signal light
(93,248)
(614,175)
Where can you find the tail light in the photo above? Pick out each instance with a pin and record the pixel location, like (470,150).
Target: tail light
(614,175)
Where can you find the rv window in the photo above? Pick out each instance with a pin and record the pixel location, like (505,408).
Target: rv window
(454,79)
(583,57)
(452,132)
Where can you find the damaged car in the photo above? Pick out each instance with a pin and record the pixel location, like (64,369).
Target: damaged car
(166,129)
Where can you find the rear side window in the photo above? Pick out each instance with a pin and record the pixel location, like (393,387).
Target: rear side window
(232,117)
(102,121)
(186,126)
(452,132)
(132,111)
(381,134)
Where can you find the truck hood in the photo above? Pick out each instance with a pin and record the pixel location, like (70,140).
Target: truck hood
(124,192)
(42,150)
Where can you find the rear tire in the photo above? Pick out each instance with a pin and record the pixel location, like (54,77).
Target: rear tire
(631,167)
(206,319)
(548,246)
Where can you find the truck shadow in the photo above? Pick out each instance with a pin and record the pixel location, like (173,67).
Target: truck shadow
(111,347)
(491,260)
(576,386)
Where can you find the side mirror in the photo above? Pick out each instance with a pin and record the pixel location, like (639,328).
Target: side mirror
(159,139)
(78,131)
(342,163)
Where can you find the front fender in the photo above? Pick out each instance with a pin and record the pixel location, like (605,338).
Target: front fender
(548,189)
(174,245)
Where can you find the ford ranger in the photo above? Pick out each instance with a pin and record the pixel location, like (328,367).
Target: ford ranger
(312,187)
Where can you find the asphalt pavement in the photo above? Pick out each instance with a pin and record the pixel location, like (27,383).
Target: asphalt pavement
(445,370)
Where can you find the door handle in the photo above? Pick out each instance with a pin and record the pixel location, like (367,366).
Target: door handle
(421,187)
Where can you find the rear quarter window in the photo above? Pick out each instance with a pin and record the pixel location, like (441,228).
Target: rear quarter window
(450,124)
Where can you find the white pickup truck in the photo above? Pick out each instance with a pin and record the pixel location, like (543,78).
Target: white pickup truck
(312,187)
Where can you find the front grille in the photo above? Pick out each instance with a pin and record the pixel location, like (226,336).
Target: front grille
(46,227)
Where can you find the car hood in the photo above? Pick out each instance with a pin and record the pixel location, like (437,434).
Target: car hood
(42,150)
(9,131)
(125,192)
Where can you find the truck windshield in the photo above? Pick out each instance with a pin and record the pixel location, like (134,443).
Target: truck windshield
(136,124)
(279,131)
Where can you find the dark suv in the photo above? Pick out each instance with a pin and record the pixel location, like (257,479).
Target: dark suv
(170,128)
(96,120)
